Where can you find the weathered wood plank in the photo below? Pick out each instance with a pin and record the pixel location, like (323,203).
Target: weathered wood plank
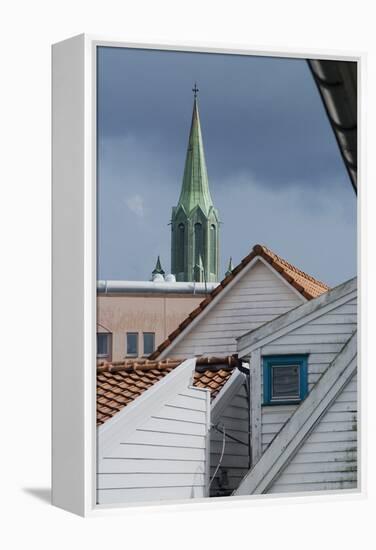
(158,452)
(328,486)
(131,465)
(317,477)
(187,402)
(323,457)
(322,467)
(283,349)
(148,480)
(325,329)
(321,437)
(114,496)
(314,339)
(174,413)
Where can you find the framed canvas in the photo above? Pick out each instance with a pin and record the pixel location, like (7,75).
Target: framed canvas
(205,314)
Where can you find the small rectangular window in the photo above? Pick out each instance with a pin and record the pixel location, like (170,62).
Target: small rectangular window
(132,344)
(285,379)
(104,345)
(149,342)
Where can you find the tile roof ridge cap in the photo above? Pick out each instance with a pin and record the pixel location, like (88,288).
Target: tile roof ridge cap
(145,365)
(259,249)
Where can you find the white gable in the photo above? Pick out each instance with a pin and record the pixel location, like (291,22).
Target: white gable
(156,448)
(256,296)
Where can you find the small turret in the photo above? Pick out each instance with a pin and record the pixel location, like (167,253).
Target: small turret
(157,273)
(230,267)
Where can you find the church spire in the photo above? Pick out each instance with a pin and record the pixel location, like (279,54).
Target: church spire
(195,189)
(195,220)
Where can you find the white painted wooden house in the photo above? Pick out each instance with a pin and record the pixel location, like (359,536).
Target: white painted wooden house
(262,287)
(155,447)
(303,379)
(166,432)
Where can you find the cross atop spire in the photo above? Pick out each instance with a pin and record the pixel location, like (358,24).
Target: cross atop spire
(195,90)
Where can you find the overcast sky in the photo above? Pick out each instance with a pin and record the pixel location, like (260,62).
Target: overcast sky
(275,171)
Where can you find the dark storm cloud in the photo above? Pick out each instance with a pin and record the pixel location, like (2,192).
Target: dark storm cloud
(258,114)
(268,145)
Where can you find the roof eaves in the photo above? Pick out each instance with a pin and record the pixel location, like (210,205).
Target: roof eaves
(258,250)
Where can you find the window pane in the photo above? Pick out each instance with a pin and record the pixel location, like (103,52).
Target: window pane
(102,344)
(285,382)
(149,338)
(132,338)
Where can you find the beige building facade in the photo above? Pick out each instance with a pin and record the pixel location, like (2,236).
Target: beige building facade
(133,318)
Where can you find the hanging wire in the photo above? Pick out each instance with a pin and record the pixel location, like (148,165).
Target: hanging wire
(221,457)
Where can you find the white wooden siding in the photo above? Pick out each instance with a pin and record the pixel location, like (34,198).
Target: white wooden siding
(259,296)
(322,338)
(161,455)
(328,458)
(235,462)
(321,424)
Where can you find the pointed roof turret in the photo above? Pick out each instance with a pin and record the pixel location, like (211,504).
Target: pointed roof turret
(195,189)
(230,267)
(158,269)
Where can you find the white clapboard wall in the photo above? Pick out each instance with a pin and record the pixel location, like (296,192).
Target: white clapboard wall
(231,415)
(328,458)
(157,447)
(257,296)
(321,338)
(316,448)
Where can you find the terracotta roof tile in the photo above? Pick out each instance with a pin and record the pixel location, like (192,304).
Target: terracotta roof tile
(118,384)
(307,285)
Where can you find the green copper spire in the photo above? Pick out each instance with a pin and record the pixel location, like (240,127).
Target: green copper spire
(195,221)
(230,267)
(158,268)
(195,188)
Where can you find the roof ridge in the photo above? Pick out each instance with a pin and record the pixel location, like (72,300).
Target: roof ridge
(311,290)
(145,365)
(119,386)
(293,267)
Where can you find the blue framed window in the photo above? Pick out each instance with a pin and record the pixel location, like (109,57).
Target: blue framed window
(285,379)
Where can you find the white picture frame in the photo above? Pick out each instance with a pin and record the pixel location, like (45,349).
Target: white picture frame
(74,260)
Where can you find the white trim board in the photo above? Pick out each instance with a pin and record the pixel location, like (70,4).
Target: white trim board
(227,392)
(301,423)
(223,293)
(296,317)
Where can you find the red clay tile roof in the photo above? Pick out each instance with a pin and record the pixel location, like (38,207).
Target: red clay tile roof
(308,286)
(118,384)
